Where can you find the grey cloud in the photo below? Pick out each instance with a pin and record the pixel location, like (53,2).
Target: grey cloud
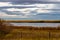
(16,7)
(12,13)
(29,1)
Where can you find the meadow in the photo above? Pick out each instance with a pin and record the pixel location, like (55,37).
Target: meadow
(11,32)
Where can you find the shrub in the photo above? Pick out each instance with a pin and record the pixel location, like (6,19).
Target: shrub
(5,27)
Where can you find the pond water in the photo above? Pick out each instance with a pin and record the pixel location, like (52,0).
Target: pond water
(37,24)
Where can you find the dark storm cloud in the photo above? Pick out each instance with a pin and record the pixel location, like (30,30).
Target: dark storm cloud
(16,7)
(21,1)
(29,1)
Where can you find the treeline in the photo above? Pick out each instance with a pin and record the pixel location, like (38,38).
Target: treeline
(32,21)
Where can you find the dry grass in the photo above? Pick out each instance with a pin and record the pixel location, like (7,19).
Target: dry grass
(28,33)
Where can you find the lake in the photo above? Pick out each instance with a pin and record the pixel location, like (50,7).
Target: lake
(37,24)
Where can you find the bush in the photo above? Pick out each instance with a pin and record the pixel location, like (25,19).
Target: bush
(5,27)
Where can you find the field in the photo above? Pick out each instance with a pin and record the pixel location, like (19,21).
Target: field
(30,33)
(11,32)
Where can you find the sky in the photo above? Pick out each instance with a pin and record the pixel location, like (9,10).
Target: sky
(30,9)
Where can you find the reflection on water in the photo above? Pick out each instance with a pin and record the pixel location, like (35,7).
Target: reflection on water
(37,24)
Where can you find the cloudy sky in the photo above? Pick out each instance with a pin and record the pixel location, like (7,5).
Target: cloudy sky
(30,9)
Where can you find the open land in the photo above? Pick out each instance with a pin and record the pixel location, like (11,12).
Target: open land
(28,32)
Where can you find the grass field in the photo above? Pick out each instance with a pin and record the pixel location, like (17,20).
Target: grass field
(11,32)
(20,33)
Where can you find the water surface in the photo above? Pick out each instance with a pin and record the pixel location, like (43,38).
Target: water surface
(37,24)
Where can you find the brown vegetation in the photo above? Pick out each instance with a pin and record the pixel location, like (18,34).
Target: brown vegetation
(5,27)
(28,32)
(34,21)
